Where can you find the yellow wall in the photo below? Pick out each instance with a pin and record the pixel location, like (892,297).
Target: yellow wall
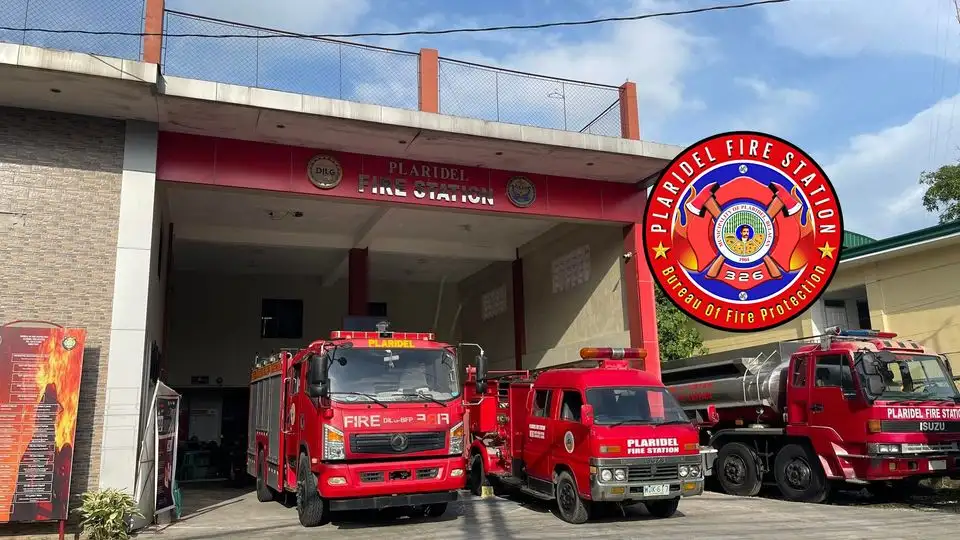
(495,334)
(916,295)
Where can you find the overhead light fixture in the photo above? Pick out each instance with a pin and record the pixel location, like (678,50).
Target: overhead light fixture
(280,126)
(402,142)
(55,90)
(499,153)
(589,164)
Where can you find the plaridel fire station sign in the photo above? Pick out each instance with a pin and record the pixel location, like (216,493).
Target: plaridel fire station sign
(743,231)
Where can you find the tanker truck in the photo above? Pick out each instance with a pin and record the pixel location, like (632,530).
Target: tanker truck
(859,408)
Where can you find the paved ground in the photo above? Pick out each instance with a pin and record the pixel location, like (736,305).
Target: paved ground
(236,515)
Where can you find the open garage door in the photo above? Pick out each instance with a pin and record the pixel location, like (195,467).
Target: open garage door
(253,272)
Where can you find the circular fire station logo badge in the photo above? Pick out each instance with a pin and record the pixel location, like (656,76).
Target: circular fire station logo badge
(521,191)
(324,172)
(743,231)
(568,442)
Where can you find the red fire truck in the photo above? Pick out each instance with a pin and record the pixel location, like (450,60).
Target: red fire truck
(362,420)
(585,434)
(860,407)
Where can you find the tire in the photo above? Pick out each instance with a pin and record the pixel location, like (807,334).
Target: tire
(478,478)
(264,493)
(572,508)
(435,510)
(737,470)
(311,508)
(799,475)
(663,509)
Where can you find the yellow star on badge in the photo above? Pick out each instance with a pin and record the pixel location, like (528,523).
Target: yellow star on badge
(660,252)
(826,251)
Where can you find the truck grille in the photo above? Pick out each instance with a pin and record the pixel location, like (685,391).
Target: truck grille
(397,443)
(650,473)
(371,476)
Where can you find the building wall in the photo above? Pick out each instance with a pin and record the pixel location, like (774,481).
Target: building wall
(495,332)
(558,324)
(60,179)
(214,319)
(915,296)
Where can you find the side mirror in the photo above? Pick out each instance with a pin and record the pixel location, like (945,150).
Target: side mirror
(317,382)
(586,415)
(712,419)
(875,385)
(481,373)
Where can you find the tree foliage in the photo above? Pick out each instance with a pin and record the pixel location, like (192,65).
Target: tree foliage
(942,196)
(678,337)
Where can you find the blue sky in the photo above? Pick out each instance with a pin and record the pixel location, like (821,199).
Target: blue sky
(868,87)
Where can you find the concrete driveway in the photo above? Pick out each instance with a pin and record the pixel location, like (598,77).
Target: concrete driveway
(238,516)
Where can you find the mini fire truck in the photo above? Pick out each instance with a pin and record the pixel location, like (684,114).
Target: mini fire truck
(362,420)
(860,407)
(595,432)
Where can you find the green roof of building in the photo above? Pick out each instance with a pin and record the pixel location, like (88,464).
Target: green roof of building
(852,239)
(899,241)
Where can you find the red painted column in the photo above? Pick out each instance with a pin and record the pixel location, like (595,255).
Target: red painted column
(629,112)
(641,303)
(153,27)
(358,282)
(519,315)
(429,80)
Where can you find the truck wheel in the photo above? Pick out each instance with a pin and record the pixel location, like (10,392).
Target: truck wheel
(663,509)
(737,471)
(264,493)
(478,478)
(435,510)
(311,508)
(799,475)
(572,508)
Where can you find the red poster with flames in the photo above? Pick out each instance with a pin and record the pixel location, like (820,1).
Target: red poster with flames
(40,371)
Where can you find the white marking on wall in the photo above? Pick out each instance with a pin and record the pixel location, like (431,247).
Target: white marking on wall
(571,270)
(493,303)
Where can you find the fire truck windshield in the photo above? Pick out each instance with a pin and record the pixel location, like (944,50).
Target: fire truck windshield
(912,377)
(392,375)
(616,406)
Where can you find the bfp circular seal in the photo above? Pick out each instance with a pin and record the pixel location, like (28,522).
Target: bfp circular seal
(324,172)
(521,191)
(568,442)
(743,231)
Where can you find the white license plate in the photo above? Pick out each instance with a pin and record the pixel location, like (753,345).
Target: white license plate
(938,465)
(654,491)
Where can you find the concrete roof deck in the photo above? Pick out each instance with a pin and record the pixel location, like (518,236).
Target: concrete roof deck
(126,89)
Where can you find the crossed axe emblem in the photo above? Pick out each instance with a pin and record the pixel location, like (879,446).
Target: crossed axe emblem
(782,201)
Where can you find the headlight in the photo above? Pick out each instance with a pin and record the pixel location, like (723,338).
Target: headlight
(456,439)
(333,447)
(620,475)
(883,448)
(606,475)
(684,471)
(695,471)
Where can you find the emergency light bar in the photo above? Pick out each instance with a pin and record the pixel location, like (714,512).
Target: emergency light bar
(612,353)
(417,336)
(836,331)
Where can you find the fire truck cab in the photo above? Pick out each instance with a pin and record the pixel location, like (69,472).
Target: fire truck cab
(593,432)
(362,420)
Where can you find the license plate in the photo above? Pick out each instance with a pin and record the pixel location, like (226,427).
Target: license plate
(938,465)
(654,491)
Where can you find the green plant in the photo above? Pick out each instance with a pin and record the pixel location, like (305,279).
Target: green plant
(105,514)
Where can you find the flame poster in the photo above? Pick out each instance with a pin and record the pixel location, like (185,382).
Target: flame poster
(40,369)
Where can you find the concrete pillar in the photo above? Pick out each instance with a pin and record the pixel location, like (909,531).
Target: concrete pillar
(629,112)
(641,303)
(429,80)
(358,282)
(153,28)
(128,351)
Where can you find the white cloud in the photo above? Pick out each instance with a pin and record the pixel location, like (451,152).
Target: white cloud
(775,109)
(877,174)
(846,28)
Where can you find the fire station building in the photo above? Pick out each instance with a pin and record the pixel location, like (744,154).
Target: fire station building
(190,220)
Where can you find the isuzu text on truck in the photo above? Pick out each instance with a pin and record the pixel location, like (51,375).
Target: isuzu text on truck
(860,407)
(363,420)
(600,433)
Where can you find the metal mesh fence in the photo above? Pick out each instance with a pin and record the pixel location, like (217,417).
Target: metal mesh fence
(99,16)
(475,91)
(288,62)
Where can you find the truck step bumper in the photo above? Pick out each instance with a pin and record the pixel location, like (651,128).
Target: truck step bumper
(389,501)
